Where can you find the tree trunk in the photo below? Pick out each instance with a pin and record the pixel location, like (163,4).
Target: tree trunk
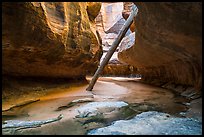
(113,47)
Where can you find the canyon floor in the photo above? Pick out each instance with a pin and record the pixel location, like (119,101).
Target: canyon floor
(84,112)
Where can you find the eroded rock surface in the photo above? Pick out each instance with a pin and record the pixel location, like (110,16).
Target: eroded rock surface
(168,45)
(127,42)
(94,107)
(152,123)
(50,39)
(109,23)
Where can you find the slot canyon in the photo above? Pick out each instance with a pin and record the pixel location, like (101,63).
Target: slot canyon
(152,84)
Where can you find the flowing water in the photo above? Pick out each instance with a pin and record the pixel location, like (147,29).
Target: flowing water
(138,96)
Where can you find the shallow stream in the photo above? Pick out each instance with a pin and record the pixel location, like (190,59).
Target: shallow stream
(137,97)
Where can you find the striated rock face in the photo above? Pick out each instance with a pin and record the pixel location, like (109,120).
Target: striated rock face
(111,14)
(50,39)
(93,9)
(168,45)
(109,21)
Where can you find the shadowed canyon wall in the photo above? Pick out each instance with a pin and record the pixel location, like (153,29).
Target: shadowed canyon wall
(168,45)
(50,39)
(60,40)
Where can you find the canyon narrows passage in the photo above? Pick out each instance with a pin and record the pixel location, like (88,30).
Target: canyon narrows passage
(151,85)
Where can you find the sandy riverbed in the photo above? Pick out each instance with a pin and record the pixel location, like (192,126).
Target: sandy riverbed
(106,89)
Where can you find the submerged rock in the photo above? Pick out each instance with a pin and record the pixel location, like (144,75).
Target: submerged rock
(152,123)
(11,126)
(93,108)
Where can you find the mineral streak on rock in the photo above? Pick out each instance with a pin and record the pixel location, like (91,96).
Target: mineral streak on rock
(50,39)
(168,43)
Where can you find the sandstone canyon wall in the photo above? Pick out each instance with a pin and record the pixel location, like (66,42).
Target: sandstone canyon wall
(126,12)
(108,23)
(168,45)
(50,39)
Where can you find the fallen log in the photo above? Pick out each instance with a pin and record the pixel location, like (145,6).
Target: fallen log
(113,47)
